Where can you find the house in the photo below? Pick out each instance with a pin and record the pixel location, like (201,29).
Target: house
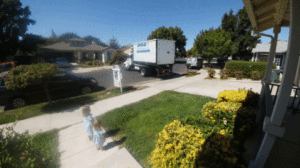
(277,135)
(127,51)
(261,53)
(76,49)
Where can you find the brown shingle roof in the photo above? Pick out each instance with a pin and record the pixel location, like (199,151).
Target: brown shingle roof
(62,46)
(93,47)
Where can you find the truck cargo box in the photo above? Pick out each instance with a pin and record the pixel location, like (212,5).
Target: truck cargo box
(156,51)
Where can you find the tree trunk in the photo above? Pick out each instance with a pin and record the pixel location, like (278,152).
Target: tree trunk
(47,93)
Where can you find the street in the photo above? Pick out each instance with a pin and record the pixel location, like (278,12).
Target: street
(105,76)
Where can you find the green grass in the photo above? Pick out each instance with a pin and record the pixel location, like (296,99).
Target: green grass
(138,124)
(72,104)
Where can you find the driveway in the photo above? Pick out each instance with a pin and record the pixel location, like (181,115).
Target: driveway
(104,76)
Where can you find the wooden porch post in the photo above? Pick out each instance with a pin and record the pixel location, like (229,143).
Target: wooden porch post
(272,125)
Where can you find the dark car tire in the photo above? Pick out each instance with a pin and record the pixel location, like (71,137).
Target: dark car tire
(144,72)
(18,102)
(86,90)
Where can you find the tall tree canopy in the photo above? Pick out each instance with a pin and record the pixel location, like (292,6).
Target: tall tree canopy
(214,43)
(67,36)
(31,42)
(113,43)
(239,26)
(13,24)
(91,39)
(171,34)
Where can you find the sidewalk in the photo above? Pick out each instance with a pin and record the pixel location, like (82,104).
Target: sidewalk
(77,151)
(74,68)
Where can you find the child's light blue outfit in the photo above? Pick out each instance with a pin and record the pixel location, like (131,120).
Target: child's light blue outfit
(98,140)
(87,122)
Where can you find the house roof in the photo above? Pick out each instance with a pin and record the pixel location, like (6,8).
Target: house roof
(62,46)
(281,47)
(77,39)
(93,47)
(265,14)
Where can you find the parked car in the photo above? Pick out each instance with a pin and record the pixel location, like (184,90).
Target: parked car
(221,60)
(62,62)
(6,66)
(196,62)
(62,85)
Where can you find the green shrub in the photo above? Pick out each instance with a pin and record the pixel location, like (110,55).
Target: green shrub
(211,73)
(239,74)
(223,74)
(246,67)
(255,75)
(23,150)
(109,62)
(220,150)
(96,62)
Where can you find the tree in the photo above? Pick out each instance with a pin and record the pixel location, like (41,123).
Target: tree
(113,43)
(118,56)
(13,24)
(192,51)
(31,42)
(24,75)
(245,41)
(68,35)
(171,34)
(239,26)
(214,43)
(91,39)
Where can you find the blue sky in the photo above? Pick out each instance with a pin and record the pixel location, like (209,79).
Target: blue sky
(130,21)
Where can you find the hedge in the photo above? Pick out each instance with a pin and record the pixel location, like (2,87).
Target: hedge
(246,67)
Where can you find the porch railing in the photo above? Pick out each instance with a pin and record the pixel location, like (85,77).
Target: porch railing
(266,105)
(265,109)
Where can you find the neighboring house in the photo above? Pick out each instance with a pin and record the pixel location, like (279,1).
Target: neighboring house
(127,51)
(261,53)
(76,49)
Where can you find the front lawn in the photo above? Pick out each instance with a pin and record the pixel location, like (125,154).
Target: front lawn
(137,124)
(60,105)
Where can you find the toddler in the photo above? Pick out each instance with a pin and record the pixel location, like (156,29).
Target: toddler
(88,121)
(99,137)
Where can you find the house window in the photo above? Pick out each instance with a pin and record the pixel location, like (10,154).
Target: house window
(278,60)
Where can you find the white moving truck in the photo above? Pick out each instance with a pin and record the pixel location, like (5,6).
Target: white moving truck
(155,56)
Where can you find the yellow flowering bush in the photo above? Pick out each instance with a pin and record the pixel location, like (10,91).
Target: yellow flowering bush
(239,95)
(176,146)
(247,97)
(221,112)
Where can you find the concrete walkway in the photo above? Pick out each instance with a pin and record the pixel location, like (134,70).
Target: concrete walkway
(77,151)
(74,68)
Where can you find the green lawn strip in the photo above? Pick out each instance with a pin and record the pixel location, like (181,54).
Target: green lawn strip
(139,123)
(60,105)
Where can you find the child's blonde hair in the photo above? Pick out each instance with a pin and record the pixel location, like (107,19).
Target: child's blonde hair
(98,124)
(86,110)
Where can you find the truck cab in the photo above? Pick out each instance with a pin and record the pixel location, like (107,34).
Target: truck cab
(194,61)
(129,62)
